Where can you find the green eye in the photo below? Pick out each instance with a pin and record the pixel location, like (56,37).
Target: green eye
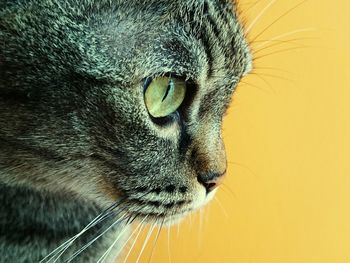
(164,95)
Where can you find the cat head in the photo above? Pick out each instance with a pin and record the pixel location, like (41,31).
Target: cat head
(119,100)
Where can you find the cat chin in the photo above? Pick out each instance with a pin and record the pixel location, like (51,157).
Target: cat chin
(176,219)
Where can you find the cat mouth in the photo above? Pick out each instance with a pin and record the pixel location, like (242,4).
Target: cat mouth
(164,219)
(166,212)
(157,211)
(175,219)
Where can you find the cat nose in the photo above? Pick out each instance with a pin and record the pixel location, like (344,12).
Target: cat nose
(210,180)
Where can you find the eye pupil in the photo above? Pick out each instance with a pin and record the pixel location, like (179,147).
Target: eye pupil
(170,87)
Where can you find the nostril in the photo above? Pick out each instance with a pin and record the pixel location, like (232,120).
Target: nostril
(210,187)
(210,180)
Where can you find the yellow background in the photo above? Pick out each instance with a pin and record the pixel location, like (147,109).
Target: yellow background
(287,195)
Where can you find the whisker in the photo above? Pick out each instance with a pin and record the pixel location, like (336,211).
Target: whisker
(257,51)
(251,6)
(178,231)
(271,75)
(227,188)
(77,253)
(200,227)
(133,232)
(278,19)
(264,80)
(271,68)
(250,26)
(221,206)
(155,241)
(251,85)
(169,252)
(290,40)
(283,35)
(279,51)
(108,251)
(245,167)
(136,238)
(60,247)
(146,240)
(190,216)
(63,247)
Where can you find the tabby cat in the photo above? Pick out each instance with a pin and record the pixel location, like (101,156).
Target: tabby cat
(110,112)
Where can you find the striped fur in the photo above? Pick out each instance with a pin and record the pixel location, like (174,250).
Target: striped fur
(75,136)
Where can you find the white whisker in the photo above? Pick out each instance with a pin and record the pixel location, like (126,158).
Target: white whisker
(63,247)
(250,26)
(93,240)
(178,231)
(200,227)
(155,241)
(279,18)
(284,35)
(108,251)
(131,235)
(169,253)
(133,244)
(221,206)
(190,216)
(145,242)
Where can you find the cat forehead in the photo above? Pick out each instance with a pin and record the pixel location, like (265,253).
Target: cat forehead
(208,35)
(190,37)
(111,39)
(217,29)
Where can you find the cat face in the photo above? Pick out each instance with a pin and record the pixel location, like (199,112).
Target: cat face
(75,114)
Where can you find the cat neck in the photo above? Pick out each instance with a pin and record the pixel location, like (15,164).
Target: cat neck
(45,221)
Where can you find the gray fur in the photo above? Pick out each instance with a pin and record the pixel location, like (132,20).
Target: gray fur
(75,135)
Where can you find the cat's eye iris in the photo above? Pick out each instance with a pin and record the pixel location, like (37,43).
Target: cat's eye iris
(164,95)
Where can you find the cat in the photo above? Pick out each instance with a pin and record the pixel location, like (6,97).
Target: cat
(110,112)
